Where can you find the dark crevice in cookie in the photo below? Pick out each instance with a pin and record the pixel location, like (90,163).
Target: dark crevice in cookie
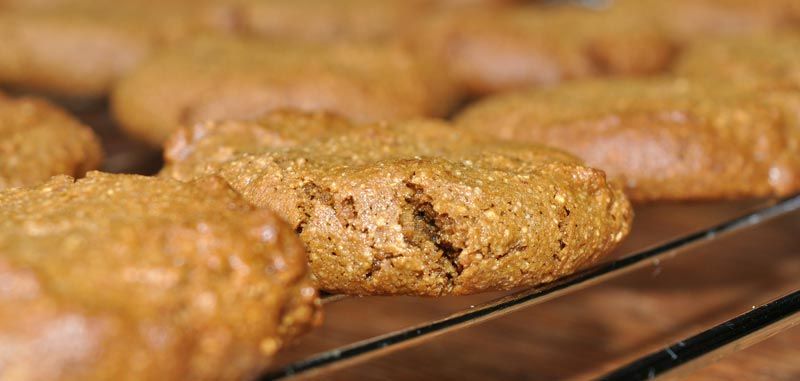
(513,249)
(562,232)
(347,213)
(428,229)
(315,192)
(311,192)
(376,266)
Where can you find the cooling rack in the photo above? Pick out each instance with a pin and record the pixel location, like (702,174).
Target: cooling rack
(729,337)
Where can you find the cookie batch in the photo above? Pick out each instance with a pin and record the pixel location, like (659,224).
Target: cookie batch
(417,147)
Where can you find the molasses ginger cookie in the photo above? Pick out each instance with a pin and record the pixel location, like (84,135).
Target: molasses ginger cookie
(124,277)
(492,50)
(39,140)
(218,78)
(413,207)
(665,138)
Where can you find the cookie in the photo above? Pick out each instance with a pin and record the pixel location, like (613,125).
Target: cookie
(666,139)
(771,61)
(415,207)
(219,78)
(493,50)
(39,140)
(124,277)
(80,48)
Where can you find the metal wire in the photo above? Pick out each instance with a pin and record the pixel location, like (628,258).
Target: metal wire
(731,336)
(383,344)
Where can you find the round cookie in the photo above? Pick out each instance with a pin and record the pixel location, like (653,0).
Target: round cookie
(125,277)
(413,207)
(493,50)
(39,140)
(80,48)
(754,61)
(667,139)
(220,78)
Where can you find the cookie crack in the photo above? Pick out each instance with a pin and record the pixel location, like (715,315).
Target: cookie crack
(427,229)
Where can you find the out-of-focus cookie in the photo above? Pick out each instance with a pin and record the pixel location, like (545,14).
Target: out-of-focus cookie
(755,61)
(667,139)
(491,50)
(39,140)
(79,48)
(414,207)
(220,78)
(125,277)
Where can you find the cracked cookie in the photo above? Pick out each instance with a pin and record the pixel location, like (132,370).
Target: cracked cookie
(493,50)
(123,277)
(666,138)
(39,140)
(414,207)
(218,78)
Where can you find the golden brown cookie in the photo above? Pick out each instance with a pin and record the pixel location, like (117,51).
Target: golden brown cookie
(39,140)
(216,78)
(414,207)
(771,61)
(80,48)
(667,139)
(122,277)
(491,50)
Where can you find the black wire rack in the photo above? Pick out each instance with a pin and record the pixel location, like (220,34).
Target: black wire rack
(729,337)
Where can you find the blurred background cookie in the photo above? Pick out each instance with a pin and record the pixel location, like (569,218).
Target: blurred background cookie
(134,278)
(79,48)
(667,139)
(219,78)
(771,60)
(39,140)
(498,49)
